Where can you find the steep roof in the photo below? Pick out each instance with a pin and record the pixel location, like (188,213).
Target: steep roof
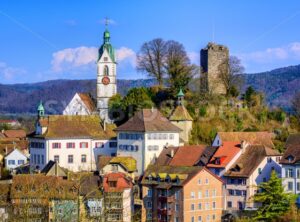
(90,186)
(189,155)
(122,182)
(254,138)
(129,163)
(148,120)
(52,168)
(88,101)
(64,126)
(292,150)
(250,160)
(225,153)
(15,133)
(180,114)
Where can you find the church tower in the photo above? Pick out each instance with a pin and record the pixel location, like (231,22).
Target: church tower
(106,76)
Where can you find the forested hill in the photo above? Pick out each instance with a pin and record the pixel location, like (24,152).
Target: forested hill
(279,85)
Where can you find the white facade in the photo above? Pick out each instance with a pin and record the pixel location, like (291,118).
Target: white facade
(145,147)
(72,154)
(106,83)
(15,159)
(128,202)
(291,179)
(76,107)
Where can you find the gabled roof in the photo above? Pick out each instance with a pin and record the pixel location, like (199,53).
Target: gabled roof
(88,101)
(15,150)
(129,163)
(292,150)
(122,182)
(148,120)
(52,168)
(254,138)
(77,126)
(225,154)
(180,114)
(189,155)
(250,160)
(15,133)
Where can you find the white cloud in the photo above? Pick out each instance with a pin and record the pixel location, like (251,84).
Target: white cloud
(85,57)
(9,73)
(270,55)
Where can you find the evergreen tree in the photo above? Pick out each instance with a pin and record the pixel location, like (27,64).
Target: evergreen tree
(274,201)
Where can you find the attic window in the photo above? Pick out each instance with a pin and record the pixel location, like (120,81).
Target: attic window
(290,158)
(168,179)
(217,161)
(105,59)
(150,178)
(112,183)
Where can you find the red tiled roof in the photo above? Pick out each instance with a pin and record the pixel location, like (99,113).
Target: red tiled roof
(187,155)
(148,120)
(88,101)
(15,133)
(122,182)
(226,153)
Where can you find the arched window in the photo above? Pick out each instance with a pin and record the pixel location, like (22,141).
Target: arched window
(106,71)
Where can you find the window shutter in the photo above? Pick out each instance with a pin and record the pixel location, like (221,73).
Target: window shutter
(80,145)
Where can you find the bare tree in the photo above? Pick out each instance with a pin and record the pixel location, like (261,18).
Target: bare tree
(151,58)
(230,74)
(178,66)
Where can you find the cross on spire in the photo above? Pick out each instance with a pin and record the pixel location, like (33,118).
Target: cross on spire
(106,21)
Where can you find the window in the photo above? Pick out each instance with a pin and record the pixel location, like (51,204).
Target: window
(38,159)
(171,136)
(244,193)
(231,192)
(149,204)
(214,217)
(298,186)
(113,144)
(290,186)
(83,158)
(56,158)
(43,159)
(206,181)
(149,215)
(289,173)
(269,159)
(206,206)
(207,193)
(229,204)
(70,145)
(192,219)
(199,194)
(70,158)
(199,218)
(56,145)
(199,181)
(153,148)
(192,195)
(176,207)
(106,70)
(114,167)
(199,206)
(176,219)
(192,206)
(177,194)
(21,162)
(11,162)
(238,192)
(105,59)
(149,193)
(213,205)
(84,145)
(99,145)
(214,193)
(298,173)
(259,170)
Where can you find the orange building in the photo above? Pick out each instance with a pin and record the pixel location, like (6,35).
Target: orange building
(179,194)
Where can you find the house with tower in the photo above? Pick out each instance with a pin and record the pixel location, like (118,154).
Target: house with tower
(83,103)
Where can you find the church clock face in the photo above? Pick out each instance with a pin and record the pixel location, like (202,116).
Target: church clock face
(105,80)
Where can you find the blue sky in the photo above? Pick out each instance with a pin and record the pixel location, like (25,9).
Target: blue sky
(54,39)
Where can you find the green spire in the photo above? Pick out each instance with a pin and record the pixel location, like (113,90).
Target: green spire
(106,44)
(41,109)
(180,93)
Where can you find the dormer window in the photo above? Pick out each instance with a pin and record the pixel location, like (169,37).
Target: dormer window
(168,179)
(217,161)
(290,158)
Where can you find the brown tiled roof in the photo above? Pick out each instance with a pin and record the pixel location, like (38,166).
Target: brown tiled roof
(64,126)
(254,138)
(180,114)
(8,144)
(292,150)
(41,186)
(88,101)
(90,186)
(15,133)
(148,120)
(225,153)
(189,155)
(250,160)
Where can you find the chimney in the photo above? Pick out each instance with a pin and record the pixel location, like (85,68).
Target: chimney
(104,126)
(244,144)
(152,109)
(172,153)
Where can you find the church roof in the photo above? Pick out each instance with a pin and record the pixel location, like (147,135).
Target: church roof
(180,114)
(107,46)
(88,101)
(65,126)
(148,120)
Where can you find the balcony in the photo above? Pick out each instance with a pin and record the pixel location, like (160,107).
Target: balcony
(171,199)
